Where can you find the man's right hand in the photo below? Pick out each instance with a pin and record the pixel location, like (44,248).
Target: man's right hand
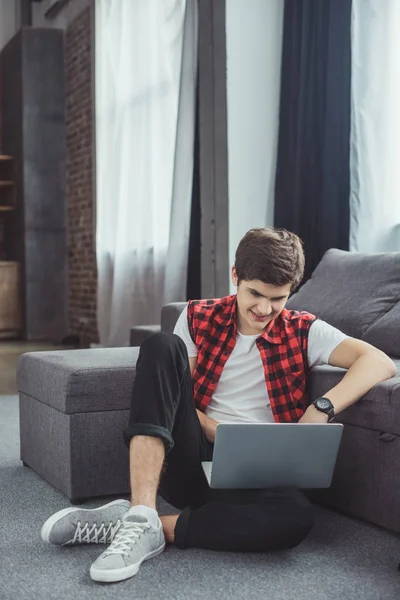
(210,430)
(209,426)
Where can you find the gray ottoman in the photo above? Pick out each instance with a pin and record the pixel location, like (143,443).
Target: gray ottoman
(74,405)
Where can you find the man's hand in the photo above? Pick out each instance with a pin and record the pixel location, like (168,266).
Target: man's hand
(313,415)
(208,425)
(210,429)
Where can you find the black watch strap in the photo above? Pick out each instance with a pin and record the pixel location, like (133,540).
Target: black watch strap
(329,410)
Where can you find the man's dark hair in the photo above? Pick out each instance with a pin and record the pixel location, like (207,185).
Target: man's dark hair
(271,255)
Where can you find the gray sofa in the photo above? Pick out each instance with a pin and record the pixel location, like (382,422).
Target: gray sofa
(74,404)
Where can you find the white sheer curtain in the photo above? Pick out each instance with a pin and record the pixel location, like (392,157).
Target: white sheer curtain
(146,57)
(375,135)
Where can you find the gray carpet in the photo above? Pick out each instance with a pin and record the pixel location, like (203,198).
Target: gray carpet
(342,558)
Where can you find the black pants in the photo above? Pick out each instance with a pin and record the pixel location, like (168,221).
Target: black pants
(243,520)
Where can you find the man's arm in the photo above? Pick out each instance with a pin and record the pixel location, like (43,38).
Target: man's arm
(367,366)
(208,425)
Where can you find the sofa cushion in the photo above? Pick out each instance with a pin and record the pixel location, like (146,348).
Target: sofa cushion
(353,292)
(385,332)
(75,381)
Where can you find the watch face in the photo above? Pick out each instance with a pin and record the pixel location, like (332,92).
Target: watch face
(323,403)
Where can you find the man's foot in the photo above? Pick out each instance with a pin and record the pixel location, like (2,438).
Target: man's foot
(85,525)
(139,538)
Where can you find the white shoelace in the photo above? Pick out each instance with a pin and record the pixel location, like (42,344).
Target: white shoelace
(101,534)
(125,537)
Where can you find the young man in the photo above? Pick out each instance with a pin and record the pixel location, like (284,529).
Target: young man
(242,358)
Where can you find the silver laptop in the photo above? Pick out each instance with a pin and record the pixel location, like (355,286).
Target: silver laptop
(264,455)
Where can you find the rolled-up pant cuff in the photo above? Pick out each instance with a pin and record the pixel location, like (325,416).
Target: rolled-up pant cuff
(151,430)
(181,528)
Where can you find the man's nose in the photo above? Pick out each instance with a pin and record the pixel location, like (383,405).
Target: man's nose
(265,308)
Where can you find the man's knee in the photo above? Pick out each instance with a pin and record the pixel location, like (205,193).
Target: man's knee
(300,521)
(161,342)
(303,522)
(296,520)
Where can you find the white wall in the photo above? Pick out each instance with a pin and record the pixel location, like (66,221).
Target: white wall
(9,20)
(253,45)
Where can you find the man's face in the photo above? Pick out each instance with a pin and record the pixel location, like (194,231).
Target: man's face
(258,304)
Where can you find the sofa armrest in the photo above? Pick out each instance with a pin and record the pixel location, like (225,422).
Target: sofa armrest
(140,333)
(378,409)
(170,314)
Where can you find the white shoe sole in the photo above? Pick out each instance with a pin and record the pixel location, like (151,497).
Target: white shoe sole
(114,575)
(51,521)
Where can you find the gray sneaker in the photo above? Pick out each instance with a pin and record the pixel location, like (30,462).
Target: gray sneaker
(139,538)
(85,525)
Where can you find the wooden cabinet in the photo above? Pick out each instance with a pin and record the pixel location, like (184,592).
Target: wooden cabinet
(7,183)
(10,308)
(32,79)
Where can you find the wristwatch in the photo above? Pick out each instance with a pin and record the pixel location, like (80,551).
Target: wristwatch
(326,406)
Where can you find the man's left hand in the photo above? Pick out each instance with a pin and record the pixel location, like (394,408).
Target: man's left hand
(313,415)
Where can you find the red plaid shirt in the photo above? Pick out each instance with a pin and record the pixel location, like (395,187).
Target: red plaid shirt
(283,350)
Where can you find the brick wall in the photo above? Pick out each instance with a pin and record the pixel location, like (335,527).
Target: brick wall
(2,215)
(80,183)
(2,249)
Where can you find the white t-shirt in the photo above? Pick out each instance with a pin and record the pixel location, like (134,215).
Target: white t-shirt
(241,395)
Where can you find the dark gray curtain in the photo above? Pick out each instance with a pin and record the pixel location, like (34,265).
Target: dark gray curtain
(312,185)
(193,286)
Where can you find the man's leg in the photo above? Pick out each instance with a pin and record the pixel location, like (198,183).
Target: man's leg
(162,424)
(182,479)
(146,458)
(163,409)
(247,521)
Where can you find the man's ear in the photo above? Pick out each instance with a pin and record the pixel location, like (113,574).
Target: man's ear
(234,277)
